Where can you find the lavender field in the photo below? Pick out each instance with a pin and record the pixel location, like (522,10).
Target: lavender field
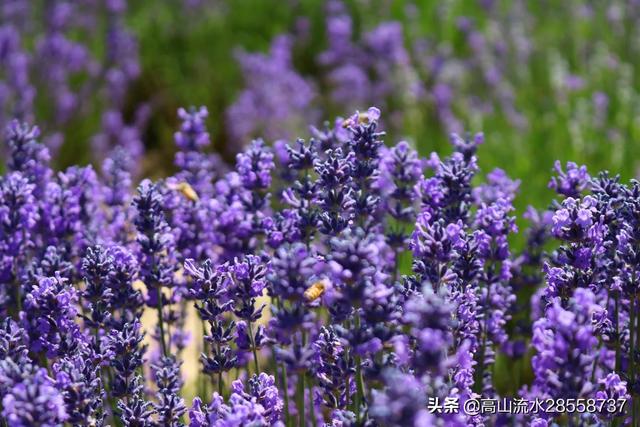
(319,213)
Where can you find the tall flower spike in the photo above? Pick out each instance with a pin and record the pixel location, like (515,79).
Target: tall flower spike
(12,341)
(97,270)
(27,155)
(136,411)
(193,135)
(116,192)
(126,347)
(170,407)
(49,318)
(127,301)
(448,193)
(72,214)
(198,169)
(354,263)
(263,390)
(365,144)
(566,347)
(433,243)
(34,401)
(401,170)
(254,166)
(18,218)
(430,317)
(247,283)
(156,252)
(78,379)
(333,369)
(277,101)
(334,192)
(402,402)
(213,300)
(154,238)
(572,182)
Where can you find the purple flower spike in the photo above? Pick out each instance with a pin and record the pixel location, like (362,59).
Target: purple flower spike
(34,401)
(572,182)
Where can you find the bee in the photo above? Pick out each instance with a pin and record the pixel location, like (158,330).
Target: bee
(186,190)
(361,118)
(314,291)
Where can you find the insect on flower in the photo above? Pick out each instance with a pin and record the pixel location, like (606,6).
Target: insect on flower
(314,291)
(186,190)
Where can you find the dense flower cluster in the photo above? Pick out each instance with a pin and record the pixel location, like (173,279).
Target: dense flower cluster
(296,262)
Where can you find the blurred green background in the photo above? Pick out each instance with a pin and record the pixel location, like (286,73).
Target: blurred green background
(576,51)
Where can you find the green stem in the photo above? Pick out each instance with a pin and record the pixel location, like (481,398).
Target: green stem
(220,384)
(632,321)
(285,389)
(634,401)
(161,323)
(16,290)
(300,399)
(359,382)
(204,392)
(253,349)
(110,398)
(615,319)
(301,387)
(480,377)
(18,299)
(312,407)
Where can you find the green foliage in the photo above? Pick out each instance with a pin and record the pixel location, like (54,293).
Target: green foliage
(187,59)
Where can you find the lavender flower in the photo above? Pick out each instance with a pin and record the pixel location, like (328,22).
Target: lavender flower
(136,411)
(572,182)
(243,408)
(34,401)
(125,346)
(350,340)
(275,95)
(213,301)
(433,243)
(565,346)
(170,406)
(333,369)
(154,239)
(12,341)
(28,156)
(402,402)
(401,170)
(116,192)
(430,318)
(48,317)
(18,218)
(198,168)
(78,379)
(156,244)
(262,388)
(335,195)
